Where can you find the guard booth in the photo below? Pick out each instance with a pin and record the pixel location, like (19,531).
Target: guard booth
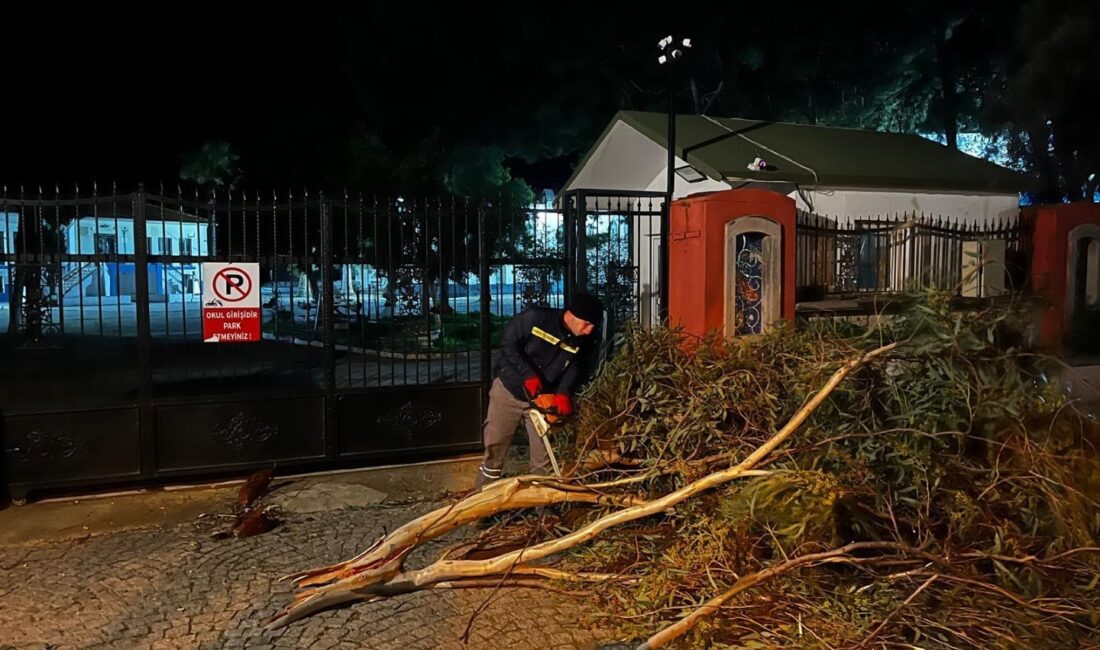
(1065,271)
(731,261)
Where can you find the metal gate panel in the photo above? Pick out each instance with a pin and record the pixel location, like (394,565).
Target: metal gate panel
(193,438)
(429,419)
(79,447)
(379,320)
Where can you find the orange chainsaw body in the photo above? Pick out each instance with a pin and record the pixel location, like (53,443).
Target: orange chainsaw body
(545,404)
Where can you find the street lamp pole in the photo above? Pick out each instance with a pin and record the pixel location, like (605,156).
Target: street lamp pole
(670,54)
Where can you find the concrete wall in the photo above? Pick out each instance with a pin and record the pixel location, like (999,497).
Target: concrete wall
(628,160)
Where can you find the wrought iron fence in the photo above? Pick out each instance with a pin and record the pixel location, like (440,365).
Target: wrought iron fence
(380,318)
(395,284)
(614,239)
(894,253)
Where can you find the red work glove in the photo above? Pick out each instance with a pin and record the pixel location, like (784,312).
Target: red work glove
(533,386)
(563,405)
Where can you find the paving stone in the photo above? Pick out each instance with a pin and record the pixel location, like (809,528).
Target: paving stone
(324,497)
(175,587)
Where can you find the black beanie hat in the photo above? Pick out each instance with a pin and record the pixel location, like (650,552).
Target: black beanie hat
(587,307)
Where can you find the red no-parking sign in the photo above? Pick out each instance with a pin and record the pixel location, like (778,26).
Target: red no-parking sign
(230,302)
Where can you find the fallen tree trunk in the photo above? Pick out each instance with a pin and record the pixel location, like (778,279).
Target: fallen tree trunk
(499,496)
(378,572)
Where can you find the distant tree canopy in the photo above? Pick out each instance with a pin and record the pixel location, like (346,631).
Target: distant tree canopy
(214,164)
(437,99)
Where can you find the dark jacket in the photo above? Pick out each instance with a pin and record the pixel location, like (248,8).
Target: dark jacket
(537,342)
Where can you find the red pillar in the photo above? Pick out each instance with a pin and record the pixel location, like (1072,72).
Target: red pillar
(697,241)
(1051,225)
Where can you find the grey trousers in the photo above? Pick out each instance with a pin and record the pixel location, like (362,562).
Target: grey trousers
(505,412)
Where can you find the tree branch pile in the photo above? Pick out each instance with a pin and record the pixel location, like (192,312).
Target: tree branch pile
(920,483)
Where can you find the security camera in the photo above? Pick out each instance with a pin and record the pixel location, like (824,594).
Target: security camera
(662,59)
(687,42)
(676,54)
(665,42)
(757,165)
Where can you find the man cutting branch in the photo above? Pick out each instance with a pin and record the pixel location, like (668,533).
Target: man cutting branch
(543,351)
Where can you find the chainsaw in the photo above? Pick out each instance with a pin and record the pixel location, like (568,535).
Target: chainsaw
(544,417)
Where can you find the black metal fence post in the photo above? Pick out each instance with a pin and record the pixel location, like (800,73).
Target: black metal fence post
(580,241)
(328,329)
(484,306)
(144,334)
(569,233)
(663,257)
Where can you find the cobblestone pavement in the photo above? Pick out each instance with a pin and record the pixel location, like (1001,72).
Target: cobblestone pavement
(175,587)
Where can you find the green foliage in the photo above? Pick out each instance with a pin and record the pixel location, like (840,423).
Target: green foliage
(480,172)
(214,163)
(949,443)
(794,506)
(665,402)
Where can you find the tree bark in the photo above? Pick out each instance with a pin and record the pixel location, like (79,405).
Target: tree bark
(378,572)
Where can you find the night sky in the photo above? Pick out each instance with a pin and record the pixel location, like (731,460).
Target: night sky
(108,93)
(405,93)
